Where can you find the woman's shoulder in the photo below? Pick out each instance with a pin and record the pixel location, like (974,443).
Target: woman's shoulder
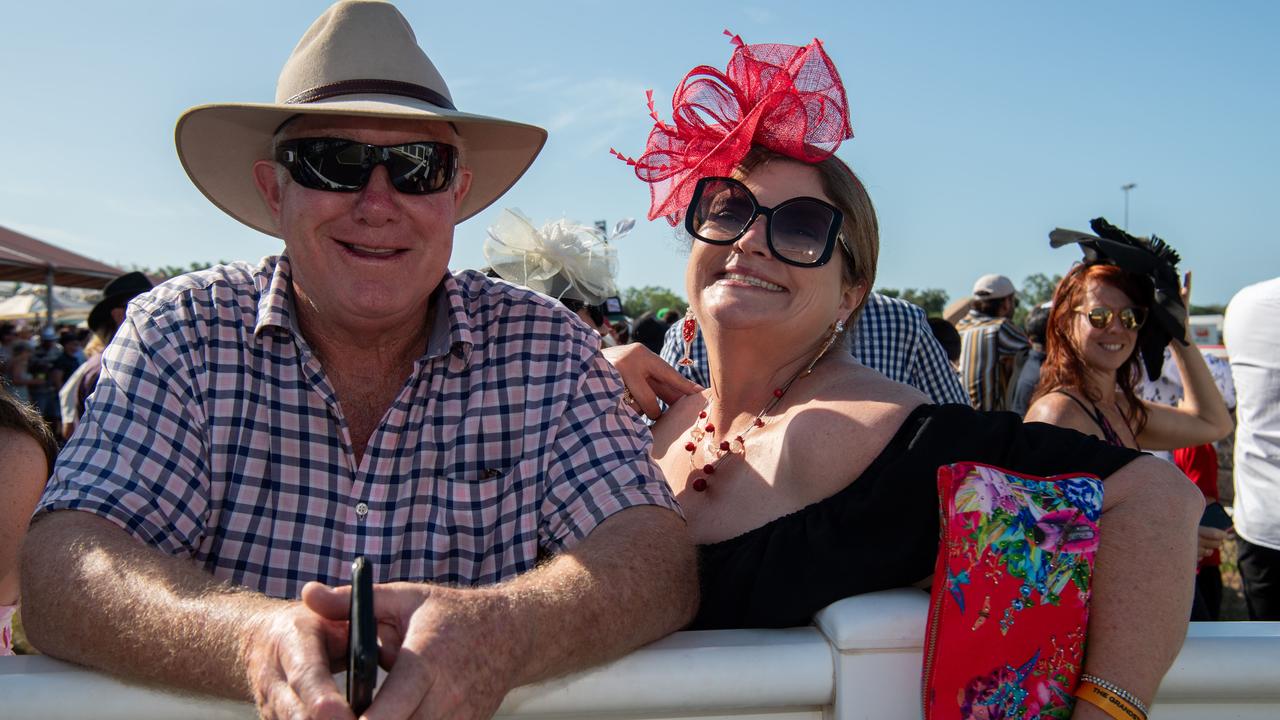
(851,381)
(676,420)
(852,397)
(1062,407)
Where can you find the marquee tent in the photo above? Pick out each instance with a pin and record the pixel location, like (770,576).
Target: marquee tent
(26,259)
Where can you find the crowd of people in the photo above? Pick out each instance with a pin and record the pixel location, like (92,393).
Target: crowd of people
(35,363)
(538,489)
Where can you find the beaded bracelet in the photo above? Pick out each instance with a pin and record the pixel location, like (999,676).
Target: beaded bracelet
(1116,690)
(1113,705)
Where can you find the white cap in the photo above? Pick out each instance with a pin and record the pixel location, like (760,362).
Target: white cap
(991,287)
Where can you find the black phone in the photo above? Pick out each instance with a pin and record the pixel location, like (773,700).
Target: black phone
(362,647)
(1215,516)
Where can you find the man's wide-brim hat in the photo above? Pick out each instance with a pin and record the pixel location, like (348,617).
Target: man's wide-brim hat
(360,58)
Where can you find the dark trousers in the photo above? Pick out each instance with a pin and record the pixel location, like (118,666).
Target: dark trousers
(1260,571)
(1208,600)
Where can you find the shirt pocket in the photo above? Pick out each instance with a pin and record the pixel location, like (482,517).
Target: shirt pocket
(470,528)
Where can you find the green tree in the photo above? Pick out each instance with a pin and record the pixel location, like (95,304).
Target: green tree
(164,272)
(637,301)
(1038,288)
(932,300)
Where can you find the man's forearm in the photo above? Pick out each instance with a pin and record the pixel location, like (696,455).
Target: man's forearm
(95,596)
(632,581)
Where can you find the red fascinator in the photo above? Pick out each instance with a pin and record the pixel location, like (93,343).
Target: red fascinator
(786,98)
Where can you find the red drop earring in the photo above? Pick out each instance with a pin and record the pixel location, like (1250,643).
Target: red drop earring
(688,331)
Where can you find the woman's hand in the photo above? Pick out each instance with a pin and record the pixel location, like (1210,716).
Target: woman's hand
(1210,540)
(648,378)
(1202,416)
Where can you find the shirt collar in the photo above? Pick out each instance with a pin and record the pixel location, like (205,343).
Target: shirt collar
(275,302)
(450,323)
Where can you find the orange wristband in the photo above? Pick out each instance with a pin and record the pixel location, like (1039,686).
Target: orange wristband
(1112,704)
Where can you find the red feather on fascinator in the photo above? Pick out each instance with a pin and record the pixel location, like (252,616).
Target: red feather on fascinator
(786,98)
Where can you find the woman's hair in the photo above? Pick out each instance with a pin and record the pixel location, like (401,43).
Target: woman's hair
(20,417)
(1064,365)
(948,337)
(861,230)
(95,346)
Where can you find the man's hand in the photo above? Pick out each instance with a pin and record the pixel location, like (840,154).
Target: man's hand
(290,656)
(648,377)
(445,648)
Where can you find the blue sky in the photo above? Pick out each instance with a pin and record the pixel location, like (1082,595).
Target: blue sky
(978,126)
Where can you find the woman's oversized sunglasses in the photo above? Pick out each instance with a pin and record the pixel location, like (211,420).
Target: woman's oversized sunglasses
(802,231)
(340,165)
(1131,318)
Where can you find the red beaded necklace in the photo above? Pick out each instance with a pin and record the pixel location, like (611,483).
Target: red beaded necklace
(727,448)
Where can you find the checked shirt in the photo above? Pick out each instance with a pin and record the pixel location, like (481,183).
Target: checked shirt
(891,336)
(214,434)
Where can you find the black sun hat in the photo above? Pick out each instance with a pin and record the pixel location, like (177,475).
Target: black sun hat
(116,294)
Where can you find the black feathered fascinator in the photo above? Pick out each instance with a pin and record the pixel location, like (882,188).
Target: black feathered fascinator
(1149,258)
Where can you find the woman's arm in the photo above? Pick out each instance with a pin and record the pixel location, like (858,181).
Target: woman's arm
(1202,416)
(22,480)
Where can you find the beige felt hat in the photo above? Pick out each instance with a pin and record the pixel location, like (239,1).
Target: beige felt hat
(359,58)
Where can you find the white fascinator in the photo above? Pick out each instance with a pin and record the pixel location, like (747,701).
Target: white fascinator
(564,260)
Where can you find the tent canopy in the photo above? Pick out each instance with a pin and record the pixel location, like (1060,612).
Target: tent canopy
(27,259)
(31,306)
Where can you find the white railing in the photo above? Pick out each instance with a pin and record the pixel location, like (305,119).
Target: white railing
(860,660)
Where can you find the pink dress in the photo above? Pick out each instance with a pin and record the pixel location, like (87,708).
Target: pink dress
(6,628)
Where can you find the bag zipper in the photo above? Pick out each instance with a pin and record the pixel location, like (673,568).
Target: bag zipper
(938,590)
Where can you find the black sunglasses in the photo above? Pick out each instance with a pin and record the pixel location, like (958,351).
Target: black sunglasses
(801,231)
(340,165)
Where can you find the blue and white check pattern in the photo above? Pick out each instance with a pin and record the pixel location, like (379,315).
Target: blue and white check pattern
(891,336)
(214,434)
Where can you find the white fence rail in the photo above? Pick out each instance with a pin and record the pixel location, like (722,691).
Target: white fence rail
(860,660)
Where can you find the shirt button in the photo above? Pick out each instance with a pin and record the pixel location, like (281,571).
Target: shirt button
(362,509)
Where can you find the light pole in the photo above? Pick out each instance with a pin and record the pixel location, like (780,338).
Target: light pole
(1126,188)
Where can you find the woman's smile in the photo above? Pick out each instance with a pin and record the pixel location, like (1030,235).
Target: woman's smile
(738,279)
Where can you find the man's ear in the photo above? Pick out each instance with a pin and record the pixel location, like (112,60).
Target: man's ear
(266,177)
(461,186)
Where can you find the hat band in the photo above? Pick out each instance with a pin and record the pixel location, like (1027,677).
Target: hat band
(377,87)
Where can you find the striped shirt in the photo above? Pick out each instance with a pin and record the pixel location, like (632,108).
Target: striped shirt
(891,336)
(989,350)
(215,434)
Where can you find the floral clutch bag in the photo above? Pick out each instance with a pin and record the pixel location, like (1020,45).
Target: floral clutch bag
(1010,593)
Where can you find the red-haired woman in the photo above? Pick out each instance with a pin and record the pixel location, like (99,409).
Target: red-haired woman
(1092,365)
